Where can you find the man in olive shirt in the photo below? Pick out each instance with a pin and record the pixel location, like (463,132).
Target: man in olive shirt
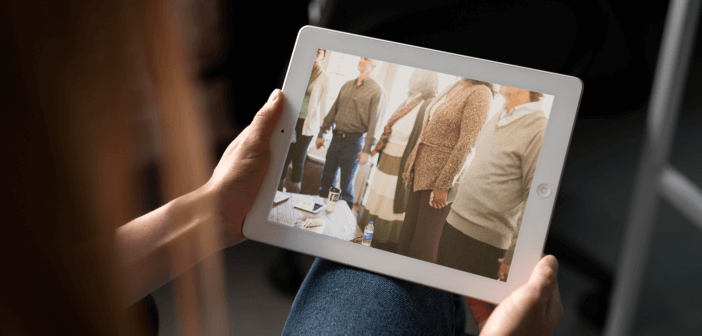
(355,113)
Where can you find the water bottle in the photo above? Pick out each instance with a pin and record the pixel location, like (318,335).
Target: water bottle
(368,234)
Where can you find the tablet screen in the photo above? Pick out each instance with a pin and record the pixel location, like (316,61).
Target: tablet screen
(428,165)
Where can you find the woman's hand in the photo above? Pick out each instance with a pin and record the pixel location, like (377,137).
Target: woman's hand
(504,270)
(363,158)
(532,309)
(437,199)
(239,174)
(407,179)
(162,244)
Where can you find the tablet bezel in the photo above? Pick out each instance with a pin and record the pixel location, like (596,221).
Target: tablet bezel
(565,89)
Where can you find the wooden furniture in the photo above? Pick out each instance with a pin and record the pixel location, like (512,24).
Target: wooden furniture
(314,165)
(339,224)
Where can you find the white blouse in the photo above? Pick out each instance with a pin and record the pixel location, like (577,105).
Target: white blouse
(403,128)
(434,106)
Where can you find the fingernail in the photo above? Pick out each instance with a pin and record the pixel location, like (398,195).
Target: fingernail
(274,96)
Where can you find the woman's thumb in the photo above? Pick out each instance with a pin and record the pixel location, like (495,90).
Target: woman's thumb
(266,118)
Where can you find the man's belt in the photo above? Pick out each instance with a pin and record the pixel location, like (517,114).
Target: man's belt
(341,134)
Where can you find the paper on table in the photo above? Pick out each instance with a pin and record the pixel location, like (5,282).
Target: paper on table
(312,224)
(280,196)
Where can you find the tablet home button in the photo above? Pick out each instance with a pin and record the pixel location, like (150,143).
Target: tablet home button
(544,190)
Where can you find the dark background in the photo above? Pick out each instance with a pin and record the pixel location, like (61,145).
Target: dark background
(611,45)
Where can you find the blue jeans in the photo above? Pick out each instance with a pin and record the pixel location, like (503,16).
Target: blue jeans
(341,300)
(341,155)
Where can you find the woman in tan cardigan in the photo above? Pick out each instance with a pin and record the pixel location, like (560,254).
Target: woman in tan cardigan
(451,125)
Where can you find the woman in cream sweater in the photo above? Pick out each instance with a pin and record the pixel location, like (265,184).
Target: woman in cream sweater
(451,125)
(314,108)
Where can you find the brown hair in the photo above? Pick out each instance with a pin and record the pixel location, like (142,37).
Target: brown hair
(72,90)
(535,96)
(490,86)
(429,83)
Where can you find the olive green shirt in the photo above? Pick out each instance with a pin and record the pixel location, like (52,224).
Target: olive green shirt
(357,109)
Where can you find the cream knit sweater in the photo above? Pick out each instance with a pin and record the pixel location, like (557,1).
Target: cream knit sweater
(492,193)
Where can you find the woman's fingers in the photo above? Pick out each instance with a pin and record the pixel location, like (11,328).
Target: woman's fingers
(544,278)
(254,140)
(266,118)
(532,309)
(544,274)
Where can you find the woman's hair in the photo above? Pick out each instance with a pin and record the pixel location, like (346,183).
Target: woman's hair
(490,86)
(428,83)
(535,96)
(75,86)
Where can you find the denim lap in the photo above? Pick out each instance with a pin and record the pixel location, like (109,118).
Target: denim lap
(341,300)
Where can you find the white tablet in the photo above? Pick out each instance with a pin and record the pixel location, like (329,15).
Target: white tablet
(310,206)
(482,144)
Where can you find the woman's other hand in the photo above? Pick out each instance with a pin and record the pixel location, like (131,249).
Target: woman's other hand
(239,174)
(504,270)
(319,143)
(407,179)
(533,309)
(437,199)
(363,158)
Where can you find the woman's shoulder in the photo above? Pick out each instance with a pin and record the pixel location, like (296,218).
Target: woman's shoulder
(476,89)
(477,95)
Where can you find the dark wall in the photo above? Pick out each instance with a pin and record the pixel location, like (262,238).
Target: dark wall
(611,45)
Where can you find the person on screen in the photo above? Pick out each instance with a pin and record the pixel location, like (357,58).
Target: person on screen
(399,136)
(355,113)
(314,107)
(482,226)
(450,128)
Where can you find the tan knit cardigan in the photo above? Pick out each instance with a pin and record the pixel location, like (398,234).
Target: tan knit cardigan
(446,142)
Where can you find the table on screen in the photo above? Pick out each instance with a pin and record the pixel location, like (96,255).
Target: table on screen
(339,224)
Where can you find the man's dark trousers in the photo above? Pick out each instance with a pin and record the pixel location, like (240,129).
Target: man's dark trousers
(341,155)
